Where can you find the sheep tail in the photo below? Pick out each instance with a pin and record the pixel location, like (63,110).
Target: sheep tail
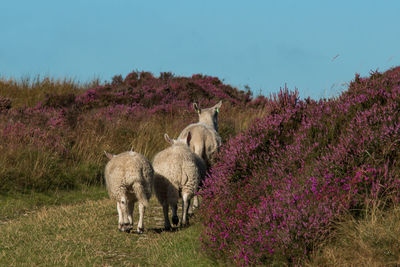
(140,194)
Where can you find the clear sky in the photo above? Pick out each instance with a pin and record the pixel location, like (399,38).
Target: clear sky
(315,46)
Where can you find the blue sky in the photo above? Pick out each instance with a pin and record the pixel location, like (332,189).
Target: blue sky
(314,46)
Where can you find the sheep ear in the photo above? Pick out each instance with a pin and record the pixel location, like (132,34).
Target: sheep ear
(169,140)
(188,138)
(218,106)
(109,155)
(196,108)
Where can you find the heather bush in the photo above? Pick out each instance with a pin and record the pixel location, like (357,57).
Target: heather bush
(166,93)
(55,131)
(277,189)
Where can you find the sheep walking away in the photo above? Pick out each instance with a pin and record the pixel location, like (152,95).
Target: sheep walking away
(129,179)
(177,173)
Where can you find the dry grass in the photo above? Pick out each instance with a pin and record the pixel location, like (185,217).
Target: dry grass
(371,241)
(28,91)
(146,136)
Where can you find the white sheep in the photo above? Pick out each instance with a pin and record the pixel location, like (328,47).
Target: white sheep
(177,174)
(205,138)
(129,178)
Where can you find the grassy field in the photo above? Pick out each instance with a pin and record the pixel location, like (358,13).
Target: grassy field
(80,229)
(13,205)
(85,234)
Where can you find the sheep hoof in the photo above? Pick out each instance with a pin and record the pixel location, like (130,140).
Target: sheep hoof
(140,231)
(125,228)
(185,224)
(175,220)
(191,211)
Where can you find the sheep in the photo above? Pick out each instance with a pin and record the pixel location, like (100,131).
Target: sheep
(177,173)
(129,178)
(205,138)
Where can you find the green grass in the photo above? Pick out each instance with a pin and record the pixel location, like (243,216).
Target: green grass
(13,205)
(84,233)
(181,248)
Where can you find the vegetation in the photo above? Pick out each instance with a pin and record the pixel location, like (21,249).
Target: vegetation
(279,187)
(297,182)
(86,234)
(58,142)
(372,240)
(52,137)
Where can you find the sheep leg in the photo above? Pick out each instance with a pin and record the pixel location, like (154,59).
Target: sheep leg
(119,216)
(195,202)
(194,205)
(140,227)
(131,206)
(175,218)
(185,208)
(124,215)
(167,224)
(200,151)
(192,208)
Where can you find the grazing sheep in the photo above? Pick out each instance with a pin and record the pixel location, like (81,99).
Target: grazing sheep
(205,138)
(177,174)
(129,179)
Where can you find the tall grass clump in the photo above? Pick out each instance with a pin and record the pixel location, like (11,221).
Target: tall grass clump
(53,132)
(277,188)
(28,91)
(372,240)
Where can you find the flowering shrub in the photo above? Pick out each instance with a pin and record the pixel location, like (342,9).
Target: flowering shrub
(58,141)
(161,94)
(277,188)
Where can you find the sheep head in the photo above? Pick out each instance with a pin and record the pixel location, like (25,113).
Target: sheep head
(209,116)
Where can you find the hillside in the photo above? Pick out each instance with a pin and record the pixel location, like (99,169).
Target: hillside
(54,208)
(54,132)
(296,182)
(279,187)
